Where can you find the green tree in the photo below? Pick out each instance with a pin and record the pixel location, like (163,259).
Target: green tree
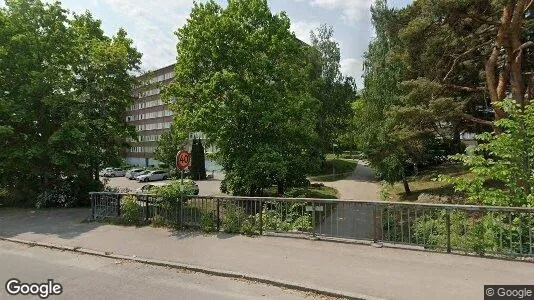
(334,91)
(170,142)
(463,58)
(374,126)
(503,161)
(65,86)
(241,80)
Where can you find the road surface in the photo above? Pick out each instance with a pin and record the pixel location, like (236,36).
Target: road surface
(90,277)
(210,187)
(349,220)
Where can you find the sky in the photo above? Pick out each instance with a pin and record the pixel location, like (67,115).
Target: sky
(151,24)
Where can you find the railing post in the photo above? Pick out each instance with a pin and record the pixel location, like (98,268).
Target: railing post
(448,228)
(146,208)
(313,219)
(118,205)
(218,215)
(181,212)
(92,207)
(261,217)
(375,224)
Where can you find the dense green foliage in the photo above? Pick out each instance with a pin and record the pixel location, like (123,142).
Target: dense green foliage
(170,142)
(241,79)
(334,91)
(437,69)
(374,127)
(503,162)
(131,211)
(65,86)
(174,191)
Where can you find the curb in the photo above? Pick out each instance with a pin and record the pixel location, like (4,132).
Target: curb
(199,269)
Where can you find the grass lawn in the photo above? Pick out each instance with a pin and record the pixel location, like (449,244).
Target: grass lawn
(334,169)
(314,191)
(425,183)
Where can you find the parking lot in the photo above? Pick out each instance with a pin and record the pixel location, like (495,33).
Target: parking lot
(210,187)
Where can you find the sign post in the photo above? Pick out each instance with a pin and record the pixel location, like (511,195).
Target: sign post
(183,158)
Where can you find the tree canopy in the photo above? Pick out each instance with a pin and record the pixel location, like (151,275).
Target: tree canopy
(64,88)
(437,69)
(334,91)
(241,79)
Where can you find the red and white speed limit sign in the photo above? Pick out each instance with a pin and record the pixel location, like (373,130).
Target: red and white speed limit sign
(183,158)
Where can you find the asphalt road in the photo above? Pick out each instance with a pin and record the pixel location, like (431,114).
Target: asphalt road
(209,187)
(349,220)
(90,277)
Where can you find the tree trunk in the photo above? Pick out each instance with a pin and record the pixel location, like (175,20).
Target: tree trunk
(407,190)
(509,39)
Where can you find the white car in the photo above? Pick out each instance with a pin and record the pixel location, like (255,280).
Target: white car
(131,174)
(114,172)
(102,172)
(152,176)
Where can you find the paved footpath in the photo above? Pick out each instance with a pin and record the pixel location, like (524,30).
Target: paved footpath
(355,269)
(360,185)
(351,221)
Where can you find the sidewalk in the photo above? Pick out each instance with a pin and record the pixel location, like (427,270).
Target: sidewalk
(355,269)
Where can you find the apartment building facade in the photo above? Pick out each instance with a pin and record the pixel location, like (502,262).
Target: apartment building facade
(151,117)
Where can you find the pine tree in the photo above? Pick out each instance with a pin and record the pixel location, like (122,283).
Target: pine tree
(198,163)
(201,161)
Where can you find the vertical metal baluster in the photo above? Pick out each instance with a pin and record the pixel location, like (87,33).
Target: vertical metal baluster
(448,229)
(431,230)
(389,235)
(500,233)
(510,231)
(320,223)
(520,234)
(416,235)
(530,233)
(401,224)
(330,216)
(409,228)
(382,222)
(395,222)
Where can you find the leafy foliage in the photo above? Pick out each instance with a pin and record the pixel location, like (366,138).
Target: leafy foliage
(502,163)
(170,142)
(65,86)
(334,91)
(131,211)
(171,193)
(242,81)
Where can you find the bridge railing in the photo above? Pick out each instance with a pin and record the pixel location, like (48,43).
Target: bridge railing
(483,230)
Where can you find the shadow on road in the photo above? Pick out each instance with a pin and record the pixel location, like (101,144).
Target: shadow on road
(64,223)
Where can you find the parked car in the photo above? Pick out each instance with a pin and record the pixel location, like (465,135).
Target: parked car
(114,172)
(153,176)
(104,171)
(131,174)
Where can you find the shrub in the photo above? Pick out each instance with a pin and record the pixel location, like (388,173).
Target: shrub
(250,225)
(159,221)
(131,211)
(172,192)
(208,222)
(234,216)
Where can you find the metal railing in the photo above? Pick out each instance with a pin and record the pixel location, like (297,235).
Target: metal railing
(482,230)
